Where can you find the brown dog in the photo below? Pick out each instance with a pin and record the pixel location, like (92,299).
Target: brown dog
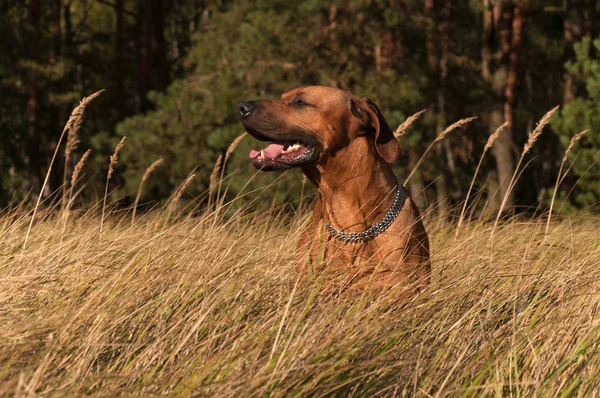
(344,146)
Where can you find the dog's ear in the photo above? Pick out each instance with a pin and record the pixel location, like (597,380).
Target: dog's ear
(370,115)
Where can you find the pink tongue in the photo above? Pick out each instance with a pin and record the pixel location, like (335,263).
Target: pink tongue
(271,152)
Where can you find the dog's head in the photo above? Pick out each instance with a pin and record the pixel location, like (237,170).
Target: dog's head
(310,124)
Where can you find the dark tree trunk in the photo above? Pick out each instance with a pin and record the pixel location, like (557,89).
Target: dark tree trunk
(33,105)
(573,32)
(436,43)
(81,49)
(56,29)
(68,39)
(513,58)
(160,64)
(119,59)
(153,68)
(590,16)
(505,22)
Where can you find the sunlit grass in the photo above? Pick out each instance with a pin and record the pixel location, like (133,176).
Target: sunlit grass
(206,305)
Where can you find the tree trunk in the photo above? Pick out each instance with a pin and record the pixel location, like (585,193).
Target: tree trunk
(33,106)
(119,60)
(572,33)
(590,15)
(437,59)
(56,29)
(506,19)
(160,64)
(68,29)
(513,58)
(81,48)
(153,68)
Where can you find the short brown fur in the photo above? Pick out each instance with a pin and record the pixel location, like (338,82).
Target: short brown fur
(356,186)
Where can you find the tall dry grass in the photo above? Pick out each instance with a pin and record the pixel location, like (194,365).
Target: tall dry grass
(562,176)
(208,305)
(196,307)
(456,125)
(145,177)
(490,142)
(114,158)
(531,140)
(71,127)
(406,125)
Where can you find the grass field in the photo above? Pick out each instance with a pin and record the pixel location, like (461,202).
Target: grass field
(209,306)
(180,303)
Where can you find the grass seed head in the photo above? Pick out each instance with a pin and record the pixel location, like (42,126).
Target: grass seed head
(114,157)
(214,176)
(183,187)
(494,136)
(234,145)
(575,138)
(535,134)
(454,126)
(79,166)
(405,125)
(151,168)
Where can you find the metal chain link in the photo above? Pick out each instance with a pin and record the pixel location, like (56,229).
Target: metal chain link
(375,229)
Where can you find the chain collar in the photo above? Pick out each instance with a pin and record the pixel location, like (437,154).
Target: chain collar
(375,229)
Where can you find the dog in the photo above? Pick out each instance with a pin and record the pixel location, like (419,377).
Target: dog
(364,227)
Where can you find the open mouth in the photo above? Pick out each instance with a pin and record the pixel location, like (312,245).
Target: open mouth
(283,155)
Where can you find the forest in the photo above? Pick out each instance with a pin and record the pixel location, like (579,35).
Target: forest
(173,71)
(142,254)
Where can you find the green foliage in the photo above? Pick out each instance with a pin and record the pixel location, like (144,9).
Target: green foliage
(272,47)
(172,91)
(583,113)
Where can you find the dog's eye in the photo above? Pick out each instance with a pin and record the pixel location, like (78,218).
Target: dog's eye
(299,102)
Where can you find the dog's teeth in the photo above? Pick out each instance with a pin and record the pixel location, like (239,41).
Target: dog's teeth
(262,154)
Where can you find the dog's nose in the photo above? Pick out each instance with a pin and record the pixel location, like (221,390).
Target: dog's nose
(245,108)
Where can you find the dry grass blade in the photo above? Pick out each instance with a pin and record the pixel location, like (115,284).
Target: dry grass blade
(76,117)
(534,135)
(111,168)
(492,138)
(73,125)
(443,134)
(183,187)
(78,168)
(77,114)
(575,138)
(115,157)
(214,178)
(454,126)
(72,142)
(234,145)
(147,173)
(560,177)
(74,178)
(213,308)
(229,151)
(405,125)
(151,168)
(531,139)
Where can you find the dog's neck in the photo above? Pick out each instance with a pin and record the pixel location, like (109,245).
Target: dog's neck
(356,185)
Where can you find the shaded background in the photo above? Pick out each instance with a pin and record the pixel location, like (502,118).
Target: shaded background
(173,71)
